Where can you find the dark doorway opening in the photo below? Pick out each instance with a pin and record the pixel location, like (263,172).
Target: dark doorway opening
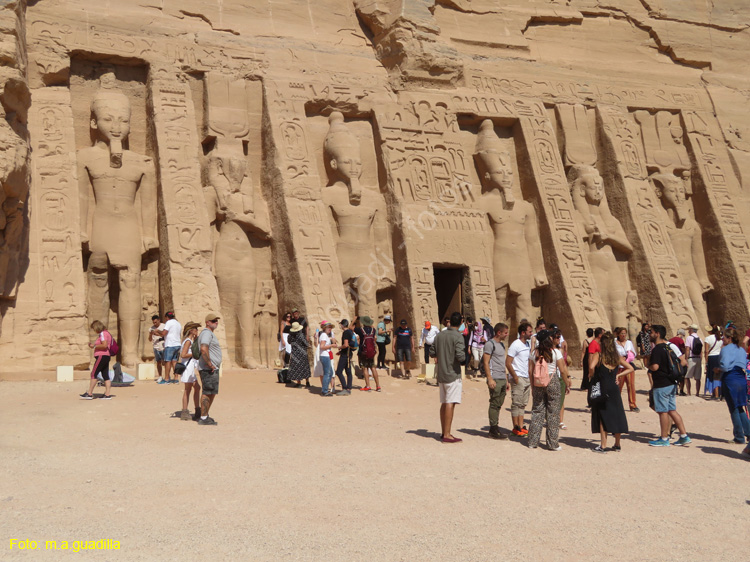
(449,290)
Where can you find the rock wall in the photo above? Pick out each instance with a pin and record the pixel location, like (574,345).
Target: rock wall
(582,159)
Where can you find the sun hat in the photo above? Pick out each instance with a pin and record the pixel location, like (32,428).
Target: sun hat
(296,327)
(694,327)
(387,318)
(367,321)
(189,326)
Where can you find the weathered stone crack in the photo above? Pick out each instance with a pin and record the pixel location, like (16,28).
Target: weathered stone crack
(208,21)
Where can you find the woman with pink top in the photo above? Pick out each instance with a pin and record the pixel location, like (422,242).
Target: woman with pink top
(101,361)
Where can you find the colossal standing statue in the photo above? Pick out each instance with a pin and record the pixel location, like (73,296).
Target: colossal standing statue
(685,234)
(517,252)
(118,214)
(353,212)
(238,222)
(604,235)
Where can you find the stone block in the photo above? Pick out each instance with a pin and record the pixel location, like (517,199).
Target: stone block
(65,373)
(146,372)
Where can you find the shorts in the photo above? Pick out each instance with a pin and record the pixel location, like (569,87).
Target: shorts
(210,381)
(665,399)
(101,367)
(519,394)
(158,355)
(366,363)
(694,369)
(450,392)
(403,355)
(172,353)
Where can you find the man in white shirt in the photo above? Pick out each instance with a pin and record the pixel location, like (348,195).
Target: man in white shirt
(157,341)
(517,365)
(427,338)
(172,331)
(693,349)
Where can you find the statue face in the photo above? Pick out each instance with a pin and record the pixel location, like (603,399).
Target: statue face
(592,186)
(673,192)
(112,120)
(348,162)
(500,175)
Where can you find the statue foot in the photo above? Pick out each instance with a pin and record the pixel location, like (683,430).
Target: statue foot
(249,363)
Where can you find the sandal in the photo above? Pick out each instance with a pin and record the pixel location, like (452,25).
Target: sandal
(563,426)
(598,449)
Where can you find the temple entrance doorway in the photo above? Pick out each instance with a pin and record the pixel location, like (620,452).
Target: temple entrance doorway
(449,290)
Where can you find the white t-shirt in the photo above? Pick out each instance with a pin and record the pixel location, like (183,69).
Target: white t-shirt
(173,328)
(710,340)
(676,350)
(519,351)
(324,339)
(623,349)
(552,368)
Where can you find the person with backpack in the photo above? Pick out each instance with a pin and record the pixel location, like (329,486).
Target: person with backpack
(732,363)
(346,349)
(546,364)
(664,374)
(493,365)
(208,365)
(186,368)
(608,413)
(694,351)
(368,347)
(104,347)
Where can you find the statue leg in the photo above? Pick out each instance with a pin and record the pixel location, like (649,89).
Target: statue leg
(502,294)
(245,323)
(97,300)
(366,304)
(699,304)
(524,308)
(129,312)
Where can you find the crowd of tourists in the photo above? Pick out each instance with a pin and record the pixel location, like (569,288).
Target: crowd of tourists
(534,366)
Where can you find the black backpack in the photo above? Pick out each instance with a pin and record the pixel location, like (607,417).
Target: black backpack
(697,347)
(674,373)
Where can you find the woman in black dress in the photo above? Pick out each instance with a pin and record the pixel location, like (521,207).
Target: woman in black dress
(609,415)
(585,358)
(299,365)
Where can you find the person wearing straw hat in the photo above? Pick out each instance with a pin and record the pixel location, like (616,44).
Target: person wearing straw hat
(208,366)
(186,368)
(299,364)
(368,346)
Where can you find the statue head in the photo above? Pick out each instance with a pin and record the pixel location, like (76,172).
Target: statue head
(110,115)
(233,166)
(671,190)
(341,150)
(494,163)
(586,184)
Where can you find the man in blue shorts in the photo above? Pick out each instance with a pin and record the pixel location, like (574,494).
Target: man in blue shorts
(664,389)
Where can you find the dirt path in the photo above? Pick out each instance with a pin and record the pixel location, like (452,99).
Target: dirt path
(287,475)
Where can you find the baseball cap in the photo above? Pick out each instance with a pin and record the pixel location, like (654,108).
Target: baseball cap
(211,317)
(427,325)
(169,314)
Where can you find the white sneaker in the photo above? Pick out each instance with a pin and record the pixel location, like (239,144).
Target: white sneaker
(558,448)
(159,380)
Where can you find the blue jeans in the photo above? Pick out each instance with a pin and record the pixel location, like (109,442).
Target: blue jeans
(740,424)
(327,372)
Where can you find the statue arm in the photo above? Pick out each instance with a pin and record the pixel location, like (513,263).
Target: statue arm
(382,247)
(85,196)
(534,245)
(256,223)
(616,236)
(699,260)
(147,192)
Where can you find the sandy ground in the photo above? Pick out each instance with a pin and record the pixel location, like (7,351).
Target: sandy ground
(288,475)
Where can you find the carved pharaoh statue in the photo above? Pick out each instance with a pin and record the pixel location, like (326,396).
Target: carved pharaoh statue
(687,241)
(517,251)
(118,214)
(604,235)
(265,323)
(353,211)
(238,222)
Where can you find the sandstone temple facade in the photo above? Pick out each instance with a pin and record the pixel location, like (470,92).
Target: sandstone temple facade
(582,159)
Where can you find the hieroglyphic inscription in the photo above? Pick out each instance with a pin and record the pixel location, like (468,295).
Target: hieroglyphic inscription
(424,290)
(714,168)
(567,90)
(576,276)
(55,208)
(187,224)
(646,216)
(485,303)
